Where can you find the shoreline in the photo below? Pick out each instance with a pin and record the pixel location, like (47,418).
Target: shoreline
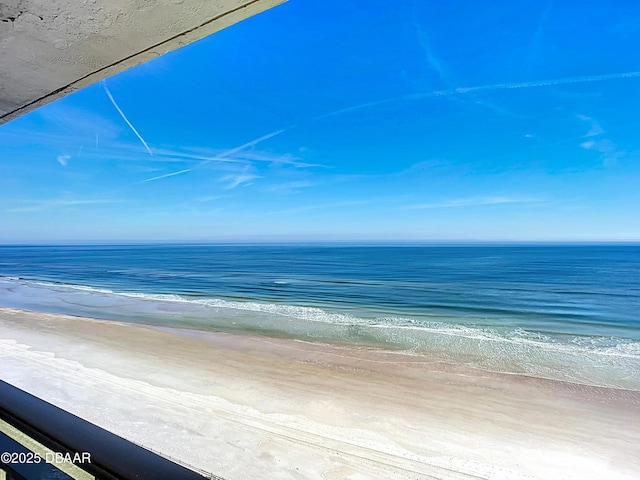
(243,406)
(585,357)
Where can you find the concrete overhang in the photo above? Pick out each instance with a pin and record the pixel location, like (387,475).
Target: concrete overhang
(50,48)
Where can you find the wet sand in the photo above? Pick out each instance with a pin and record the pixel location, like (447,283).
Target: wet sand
(243,406)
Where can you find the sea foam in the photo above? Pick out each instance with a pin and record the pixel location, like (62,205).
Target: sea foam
(592,360)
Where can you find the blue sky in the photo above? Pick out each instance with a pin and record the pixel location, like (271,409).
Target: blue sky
(322,120)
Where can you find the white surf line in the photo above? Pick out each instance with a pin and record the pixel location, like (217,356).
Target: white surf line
(124,117)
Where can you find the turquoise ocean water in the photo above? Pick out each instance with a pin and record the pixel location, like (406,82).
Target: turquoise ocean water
(561,312)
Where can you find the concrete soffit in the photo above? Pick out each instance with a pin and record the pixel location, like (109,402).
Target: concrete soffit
(49,49)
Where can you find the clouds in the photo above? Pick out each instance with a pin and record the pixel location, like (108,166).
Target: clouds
(232,181)
(595,128)
(238,166)
(607,150)
(233,156)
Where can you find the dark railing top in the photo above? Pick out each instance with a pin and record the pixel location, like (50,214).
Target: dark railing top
(112,457)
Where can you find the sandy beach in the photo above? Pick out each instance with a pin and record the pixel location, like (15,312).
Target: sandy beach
(243,406)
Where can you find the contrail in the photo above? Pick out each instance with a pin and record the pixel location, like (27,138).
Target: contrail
(140,182)
(222,156)
(546,83)
(480,88)
(165,175)
(124,117)
(232,151)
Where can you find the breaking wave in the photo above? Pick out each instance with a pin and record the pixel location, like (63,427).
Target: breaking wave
(592,360)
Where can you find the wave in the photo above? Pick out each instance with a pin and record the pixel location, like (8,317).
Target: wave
(588,359)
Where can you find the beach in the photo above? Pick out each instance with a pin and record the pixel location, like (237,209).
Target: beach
(245,406)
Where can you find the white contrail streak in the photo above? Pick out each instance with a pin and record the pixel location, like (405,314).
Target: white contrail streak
(220,157)
(235,150)
(252,143)
(546,83)
(480,88)
(166,175)
(124,117)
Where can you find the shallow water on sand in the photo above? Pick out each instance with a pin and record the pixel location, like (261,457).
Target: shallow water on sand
(564,312)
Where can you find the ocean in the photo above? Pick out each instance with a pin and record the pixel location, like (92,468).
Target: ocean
(560,312)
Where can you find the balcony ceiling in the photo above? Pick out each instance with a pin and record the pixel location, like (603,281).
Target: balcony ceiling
(51,48)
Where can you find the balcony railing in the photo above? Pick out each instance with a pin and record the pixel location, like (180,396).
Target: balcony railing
(41,441)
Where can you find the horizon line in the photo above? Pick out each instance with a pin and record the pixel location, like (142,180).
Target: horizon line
(450,242)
